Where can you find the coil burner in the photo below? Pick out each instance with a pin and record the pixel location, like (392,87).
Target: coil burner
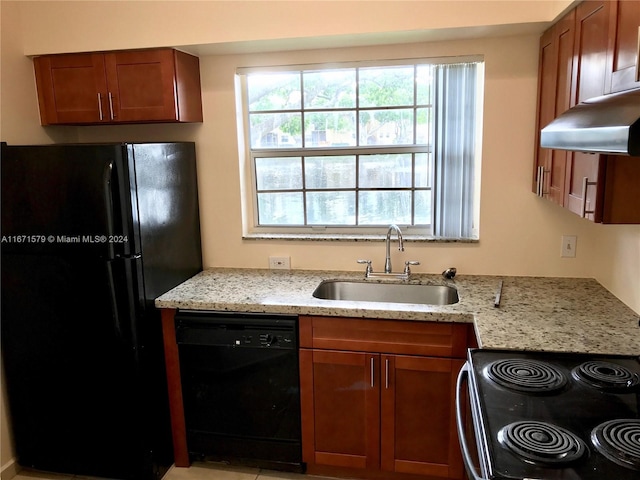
(619,441)
(606,375)
(541,443)
(526,375)
(550,415)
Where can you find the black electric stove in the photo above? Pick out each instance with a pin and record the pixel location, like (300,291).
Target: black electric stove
(539,415)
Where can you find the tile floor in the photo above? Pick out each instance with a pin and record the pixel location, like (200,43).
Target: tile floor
(198,471)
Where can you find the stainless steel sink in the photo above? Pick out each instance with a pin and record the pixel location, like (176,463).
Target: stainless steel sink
(386,292)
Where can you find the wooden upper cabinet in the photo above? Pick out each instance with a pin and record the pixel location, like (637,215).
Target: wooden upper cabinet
(624,43)
(70,88)
(141,85)
(620,192)
(584,171)
(157,85)
(590,50)
(554,97)
(546,99)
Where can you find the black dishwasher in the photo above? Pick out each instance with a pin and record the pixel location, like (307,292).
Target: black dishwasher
(241,388)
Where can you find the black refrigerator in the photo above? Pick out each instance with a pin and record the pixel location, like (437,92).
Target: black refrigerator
(91,235)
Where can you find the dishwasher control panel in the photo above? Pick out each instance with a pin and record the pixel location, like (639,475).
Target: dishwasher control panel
(266,339)
(237,330)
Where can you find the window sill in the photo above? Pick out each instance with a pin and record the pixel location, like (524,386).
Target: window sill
(333,237)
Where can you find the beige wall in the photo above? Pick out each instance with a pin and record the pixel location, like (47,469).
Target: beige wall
(54,26)
(520,234)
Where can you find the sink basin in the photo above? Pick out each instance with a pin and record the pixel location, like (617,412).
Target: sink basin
(386,292)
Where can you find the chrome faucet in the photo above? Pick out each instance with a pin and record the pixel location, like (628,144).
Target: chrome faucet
(387,260)
(388,272)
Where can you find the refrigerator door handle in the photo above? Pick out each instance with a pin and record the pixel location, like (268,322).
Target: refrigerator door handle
(122,243)
(108,193)
(122,288)
(114,302)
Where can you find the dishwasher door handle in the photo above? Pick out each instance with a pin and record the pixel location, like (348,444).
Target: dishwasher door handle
(466,454)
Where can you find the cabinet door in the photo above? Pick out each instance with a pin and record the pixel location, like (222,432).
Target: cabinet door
(418,426)
(546,100)
(71,88)
(624,42)
(340,409)
(141,85)
(563,33)
(590,53)
(589,71)
(621,202)
(554,98)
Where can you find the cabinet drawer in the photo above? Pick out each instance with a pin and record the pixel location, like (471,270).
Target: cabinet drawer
(385,336)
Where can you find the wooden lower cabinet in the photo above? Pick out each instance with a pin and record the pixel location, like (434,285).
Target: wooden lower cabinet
(418,422)
(378,415)
(340,408)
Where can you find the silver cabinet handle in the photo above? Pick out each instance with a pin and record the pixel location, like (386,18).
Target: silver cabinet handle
(638,58)
(586,183)
(540,181)
(386,373)
(100,106)
(111,106)
(372,372)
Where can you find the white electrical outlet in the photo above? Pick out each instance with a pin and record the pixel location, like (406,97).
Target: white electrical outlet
(280,263)
(569,243)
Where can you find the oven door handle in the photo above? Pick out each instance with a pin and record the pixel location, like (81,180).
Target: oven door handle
(462,376)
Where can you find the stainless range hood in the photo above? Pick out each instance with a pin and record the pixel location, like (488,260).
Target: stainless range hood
(607,124)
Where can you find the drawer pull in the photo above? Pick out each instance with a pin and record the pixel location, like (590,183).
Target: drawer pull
(386,373)
(540,182)
(100,107)
(638,58)
(372,372)
(111,106)
(586,183)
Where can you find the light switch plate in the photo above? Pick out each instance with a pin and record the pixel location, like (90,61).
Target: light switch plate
(569,243)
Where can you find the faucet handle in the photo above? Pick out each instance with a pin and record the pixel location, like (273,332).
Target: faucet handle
(407,269)
(367,270)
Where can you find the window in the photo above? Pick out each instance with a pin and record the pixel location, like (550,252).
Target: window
(354,147)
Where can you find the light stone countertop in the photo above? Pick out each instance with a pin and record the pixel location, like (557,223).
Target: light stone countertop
(535,313)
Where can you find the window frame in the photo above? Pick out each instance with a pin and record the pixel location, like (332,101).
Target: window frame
(251,228)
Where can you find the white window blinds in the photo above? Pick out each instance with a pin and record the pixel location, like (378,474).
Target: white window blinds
(455,128)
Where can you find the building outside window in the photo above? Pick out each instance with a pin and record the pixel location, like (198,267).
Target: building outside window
(354,147)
